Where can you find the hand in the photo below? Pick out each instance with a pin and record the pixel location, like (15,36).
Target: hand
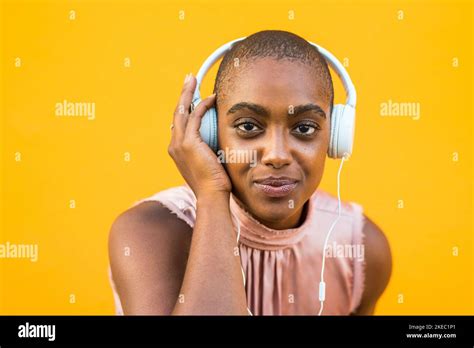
(197,163)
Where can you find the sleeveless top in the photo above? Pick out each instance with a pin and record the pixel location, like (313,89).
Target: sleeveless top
(283,267)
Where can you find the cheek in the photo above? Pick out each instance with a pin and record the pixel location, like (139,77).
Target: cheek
(237,173)
(229,141)
(312,161)
(312,158)
(224,136)
(231,144)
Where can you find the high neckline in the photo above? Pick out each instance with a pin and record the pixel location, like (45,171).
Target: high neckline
(256,235)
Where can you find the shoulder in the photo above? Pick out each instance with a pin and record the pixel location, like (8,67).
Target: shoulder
(147,245)
(378,265)
(377,254)
(147,220)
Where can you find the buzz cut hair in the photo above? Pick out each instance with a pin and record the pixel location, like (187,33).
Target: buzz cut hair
(278,45)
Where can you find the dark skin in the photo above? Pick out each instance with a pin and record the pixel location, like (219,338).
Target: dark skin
(168,260)
(287,124)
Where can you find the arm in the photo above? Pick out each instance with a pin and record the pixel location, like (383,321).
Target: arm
(158,277)
(148,252)
(213,281)
(162,250)
(378,267)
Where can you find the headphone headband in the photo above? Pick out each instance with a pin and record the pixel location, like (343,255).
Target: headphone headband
(351,96)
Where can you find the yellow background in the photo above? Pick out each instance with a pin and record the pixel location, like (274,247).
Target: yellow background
(63,159)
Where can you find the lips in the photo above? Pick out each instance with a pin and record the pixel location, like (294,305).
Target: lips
(276,186)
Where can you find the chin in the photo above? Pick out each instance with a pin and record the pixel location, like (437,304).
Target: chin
(272,210)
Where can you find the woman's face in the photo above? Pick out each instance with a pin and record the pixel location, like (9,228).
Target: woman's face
(274,119)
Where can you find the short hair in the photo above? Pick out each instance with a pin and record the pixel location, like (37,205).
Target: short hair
(279,45)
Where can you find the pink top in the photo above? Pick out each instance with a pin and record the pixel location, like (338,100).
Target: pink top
(283,267)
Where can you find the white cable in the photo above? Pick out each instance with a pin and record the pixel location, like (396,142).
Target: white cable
(322,284)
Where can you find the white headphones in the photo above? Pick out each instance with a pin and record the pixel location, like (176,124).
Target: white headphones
(342,116)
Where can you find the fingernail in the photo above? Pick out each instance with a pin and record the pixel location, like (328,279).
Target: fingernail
(188,78)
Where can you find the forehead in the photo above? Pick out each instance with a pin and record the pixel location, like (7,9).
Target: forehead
(275,83)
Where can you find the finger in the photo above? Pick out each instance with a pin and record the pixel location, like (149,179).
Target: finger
(181,112)
(194,123)
(187,92)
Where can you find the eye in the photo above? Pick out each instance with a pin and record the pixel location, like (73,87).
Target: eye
(305,129)
(248,127)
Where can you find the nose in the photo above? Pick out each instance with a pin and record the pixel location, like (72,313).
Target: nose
(276,152)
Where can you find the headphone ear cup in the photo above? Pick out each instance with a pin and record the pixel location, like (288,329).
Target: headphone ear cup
(208,128)
(342,131)
(335,118)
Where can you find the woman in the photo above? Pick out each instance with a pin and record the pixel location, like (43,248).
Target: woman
(183,255)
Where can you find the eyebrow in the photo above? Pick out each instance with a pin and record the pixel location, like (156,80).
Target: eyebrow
(260,110)
(308,107)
